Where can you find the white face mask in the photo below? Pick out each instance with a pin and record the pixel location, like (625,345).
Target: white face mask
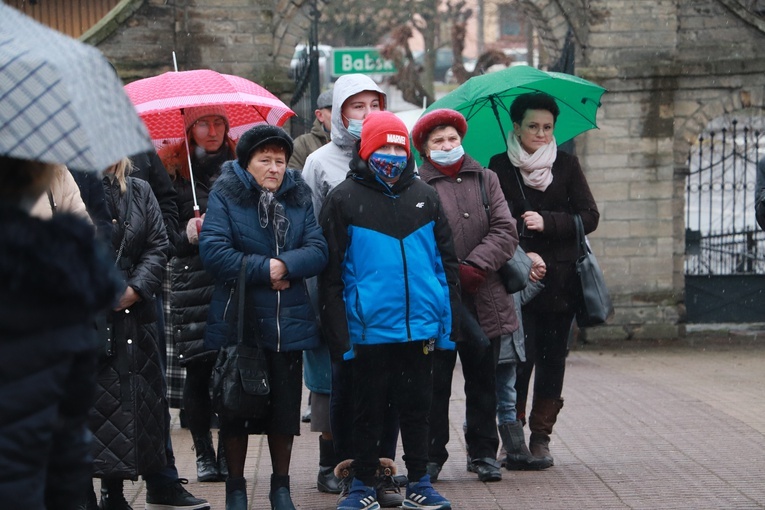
(447,158)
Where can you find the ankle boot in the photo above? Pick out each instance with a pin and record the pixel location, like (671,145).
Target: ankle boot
(517,455)
(236,494)
(89,501)
(280,493)
(544,414)
(221,458)
(112,496)
(207,469)
(326,481)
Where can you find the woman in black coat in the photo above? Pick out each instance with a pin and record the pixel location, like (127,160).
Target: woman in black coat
(128,418)
(545,188)
(54,278)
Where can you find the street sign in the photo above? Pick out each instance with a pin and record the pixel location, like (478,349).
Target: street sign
(360,60)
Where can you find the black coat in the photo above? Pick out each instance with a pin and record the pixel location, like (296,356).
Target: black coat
(149,167)
(53,280)
(568,194)
(129,414)
(191,287)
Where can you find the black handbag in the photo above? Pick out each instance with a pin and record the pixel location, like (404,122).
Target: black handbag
(595,305)
(516,271)
(240,379)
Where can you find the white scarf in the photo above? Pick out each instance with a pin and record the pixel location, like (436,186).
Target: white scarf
(536,168)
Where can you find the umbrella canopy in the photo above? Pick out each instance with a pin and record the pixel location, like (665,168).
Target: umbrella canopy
(160,101)
(60,100)
(485,102)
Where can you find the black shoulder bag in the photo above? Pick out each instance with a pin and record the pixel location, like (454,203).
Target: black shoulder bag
(595,306)
(516,271)
(240,379)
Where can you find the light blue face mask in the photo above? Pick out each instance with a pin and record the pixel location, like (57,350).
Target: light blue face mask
(446,158)
(354,128)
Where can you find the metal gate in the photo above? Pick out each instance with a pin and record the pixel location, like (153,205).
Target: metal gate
(724,247)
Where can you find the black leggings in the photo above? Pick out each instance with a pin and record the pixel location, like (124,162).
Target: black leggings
(196,395)
(546,351)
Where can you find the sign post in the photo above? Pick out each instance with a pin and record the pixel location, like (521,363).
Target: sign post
(360,60)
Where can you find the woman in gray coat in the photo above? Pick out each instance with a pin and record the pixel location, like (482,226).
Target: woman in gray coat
(484,239)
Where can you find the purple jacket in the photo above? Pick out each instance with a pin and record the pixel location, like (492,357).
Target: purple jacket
(487,244)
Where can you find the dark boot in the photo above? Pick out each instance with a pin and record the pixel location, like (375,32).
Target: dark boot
(517,455)
(222,463)
(279,496)
(89,502)
(544,414)
(112,496)
(236,494)
(207,468)
(326,480)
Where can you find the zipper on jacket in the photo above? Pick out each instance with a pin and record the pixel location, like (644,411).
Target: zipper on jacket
(230,297)
(278,304)
(406,289)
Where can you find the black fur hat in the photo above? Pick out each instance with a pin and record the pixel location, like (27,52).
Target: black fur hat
(256,137)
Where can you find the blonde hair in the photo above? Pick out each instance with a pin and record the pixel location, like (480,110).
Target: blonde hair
(122,169)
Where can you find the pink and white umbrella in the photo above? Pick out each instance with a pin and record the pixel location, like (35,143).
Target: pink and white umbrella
(160,101)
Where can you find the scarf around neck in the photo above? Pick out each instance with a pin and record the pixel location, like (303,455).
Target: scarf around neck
(536,168)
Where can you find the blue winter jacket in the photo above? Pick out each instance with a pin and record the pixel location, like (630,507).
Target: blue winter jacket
(285,319)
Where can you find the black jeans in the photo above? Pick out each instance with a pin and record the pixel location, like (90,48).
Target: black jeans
(546,351)
(341,415)
(479,371)
(401,373)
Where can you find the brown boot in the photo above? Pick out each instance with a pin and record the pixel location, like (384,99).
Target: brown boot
(544,414)
(517,456)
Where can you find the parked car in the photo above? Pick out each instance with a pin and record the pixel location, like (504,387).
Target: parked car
(300,61)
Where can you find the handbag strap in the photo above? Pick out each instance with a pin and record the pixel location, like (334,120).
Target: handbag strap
(580,239)
(241,288)
(126,223)
(484,196)
(520,184)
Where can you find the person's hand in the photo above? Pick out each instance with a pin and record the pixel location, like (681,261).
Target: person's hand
(278,270)
(193,228)
(471,278)
(533,221)
(538,267)
(128,299)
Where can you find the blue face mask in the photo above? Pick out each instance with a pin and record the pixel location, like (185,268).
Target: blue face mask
(446,158)
(354,128)
(387,166)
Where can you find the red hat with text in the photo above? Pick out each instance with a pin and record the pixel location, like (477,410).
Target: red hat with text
(382,128)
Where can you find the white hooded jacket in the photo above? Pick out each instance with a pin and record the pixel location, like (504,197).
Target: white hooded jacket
(327,166)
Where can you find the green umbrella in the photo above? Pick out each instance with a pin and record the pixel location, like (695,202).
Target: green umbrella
(485,102)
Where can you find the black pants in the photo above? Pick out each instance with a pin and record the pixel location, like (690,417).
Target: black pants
(341,415)
(546,351)
(479,370)
(196,395)
(401,373)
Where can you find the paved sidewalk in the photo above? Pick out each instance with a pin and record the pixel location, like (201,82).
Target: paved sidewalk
(679,425)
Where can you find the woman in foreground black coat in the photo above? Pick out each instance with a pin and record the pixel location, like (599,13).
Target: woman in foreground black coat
(545,188)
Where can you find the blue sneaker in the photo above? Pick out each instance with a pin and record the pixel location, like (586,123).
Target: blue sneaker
(360,497)
(422,495)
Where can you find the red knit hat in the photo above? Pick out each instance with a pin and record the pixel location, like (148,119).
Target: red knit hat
(431,120)
(382,128)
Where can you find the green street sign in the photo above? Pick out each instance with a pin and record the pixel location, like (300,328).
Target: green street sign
(360,60)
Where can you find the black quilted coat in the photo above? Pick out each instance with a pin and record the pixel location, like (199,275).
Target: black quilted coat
(128,418)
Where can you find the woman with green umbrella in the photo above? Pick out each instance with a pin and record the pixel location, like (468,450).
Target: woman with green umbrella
(545,188)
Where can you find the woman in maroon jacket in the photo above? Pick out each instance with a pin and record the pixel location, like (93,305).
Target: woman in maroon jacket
(484,239)
(545,188)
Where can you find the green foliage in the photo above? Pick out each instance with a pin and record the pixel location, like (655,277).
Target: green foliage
(361,22)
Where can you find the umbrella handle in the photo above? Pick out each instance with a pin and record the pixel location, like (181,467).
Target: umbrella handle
(197,215)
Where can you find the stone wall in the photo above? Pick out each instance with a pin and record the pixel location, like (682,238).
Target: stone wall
(670,66)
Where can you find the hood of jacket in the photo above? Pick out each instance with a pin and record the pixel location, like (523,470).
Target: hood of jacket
(53,272)
(238,184)
(344,88)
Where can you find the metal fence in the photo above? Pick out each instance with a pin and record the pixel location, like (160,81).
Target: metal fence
(722,236)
